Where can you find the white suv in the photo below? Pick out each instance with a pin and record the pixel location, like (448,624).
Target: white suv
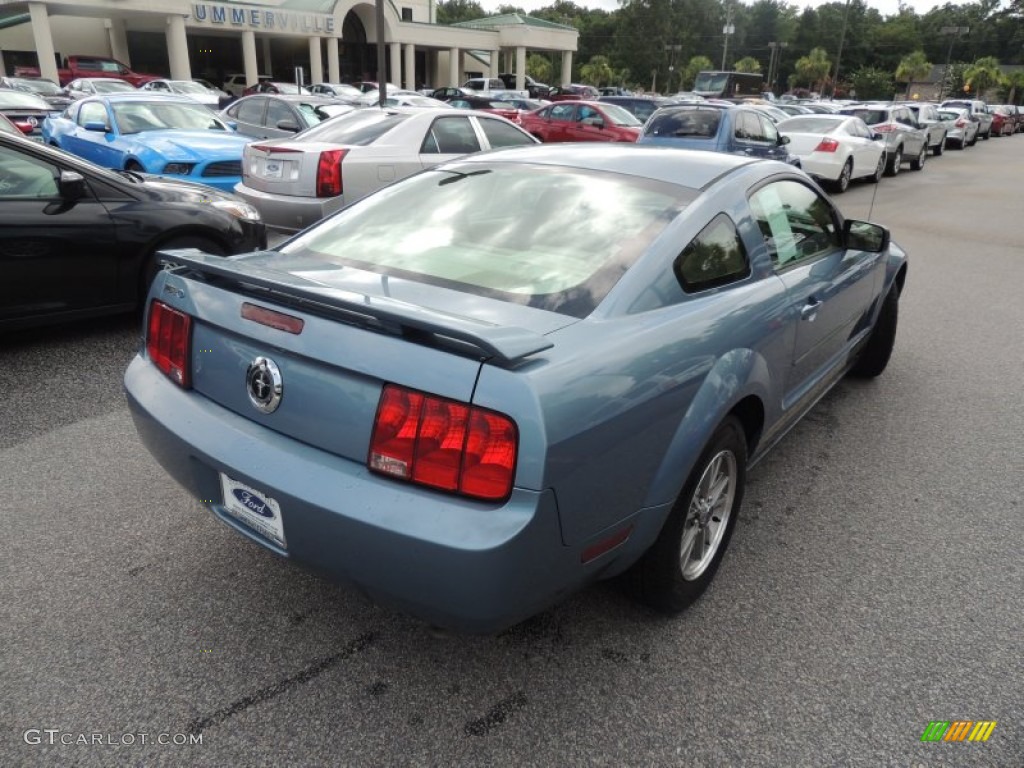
(235,83)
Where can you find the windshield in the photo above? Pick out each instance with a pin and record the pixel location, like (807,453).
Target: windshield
(500,230)
(39,86)
(312,113)
(359,128)
(710,81)
(950,115)
(185,86)
(689,123)
(291,88)
(112,86)
(869,116)
(141,116)
(620,116)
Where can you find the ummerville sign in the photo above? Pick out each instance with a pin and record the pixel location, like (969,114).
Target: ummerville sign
(260,18)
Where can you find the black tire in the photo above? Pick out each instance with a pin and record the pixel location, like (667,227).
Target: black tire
(879,170)
(957,144)
(875,355)
(988,135)
(895,161)
(917,163)
(659,578)
(939,148)
(973,141)
(841,184)
(150,266)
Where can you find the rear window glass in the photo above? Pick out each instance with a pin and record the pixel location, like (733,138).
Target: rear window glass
(869,116)
(554,238)
(809,125)
(691,123)
(357,128)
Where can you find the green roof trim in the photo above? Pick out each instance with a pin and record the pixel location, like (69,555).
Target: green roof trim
(15,20)
(511,20)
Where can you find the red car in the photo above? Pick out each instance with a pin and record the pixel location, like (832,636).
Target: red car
(573,92)
(581,121)
(1004,122)
(495,107)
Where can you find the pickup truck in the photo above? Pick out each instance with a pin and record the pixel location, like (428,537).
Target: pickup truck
(493,87)
(90,66)
(533,88)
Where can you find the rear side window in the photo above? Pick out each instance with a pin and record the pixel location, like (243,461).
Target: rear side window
(358,128)
(501,134)
(561,112)
(715,257)
(276,112)
(689,123)
(869,116)
(451,136)
(251,111)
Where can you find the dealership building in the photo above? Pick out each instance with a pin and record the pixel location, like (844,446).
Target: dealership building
(317,40)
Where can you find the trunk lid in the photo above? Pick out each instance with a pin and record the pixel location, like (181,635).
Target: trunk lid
(284,167)
(359,331)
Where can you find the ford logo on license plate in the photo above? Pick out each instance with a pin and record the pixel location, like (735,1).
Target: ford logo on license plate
(252,503)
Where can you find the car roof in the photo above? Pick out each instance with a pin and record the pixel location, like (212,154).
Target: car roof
(128,96)
(668,164)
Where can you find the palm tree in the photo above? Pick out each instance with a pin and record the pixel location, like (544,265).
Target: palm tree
(695,65)
(597,71)
(747,64)
(813,68)
(914,66)
(983,74)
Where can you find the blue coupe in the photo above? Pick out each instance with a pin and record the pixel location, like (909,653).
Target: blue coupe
(490,383)
(150,133)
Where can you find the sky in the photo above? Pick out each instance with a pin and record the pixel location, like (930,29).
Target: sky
(885,7)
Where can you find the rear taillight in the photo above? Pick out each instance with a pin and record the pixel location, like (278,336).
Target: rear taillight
(885,127)
(328,173)
(444,444)
(827,145)
(960,123)
(25,128)
(168,339)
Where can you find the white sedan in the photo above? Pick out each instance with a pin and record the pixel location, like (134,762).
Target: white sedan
(296,181)
(835,148)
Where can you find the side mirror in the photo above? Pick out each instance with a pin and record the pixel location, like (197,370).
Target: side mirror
(71,185)
(288,125)
(782,140)
(865,236)
(876,136)
(96,125)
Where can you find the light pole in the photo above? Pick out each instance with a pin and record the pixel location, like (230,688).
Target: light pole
(839,54)
(672,49)
(774,62)
(954,33)
(727,30)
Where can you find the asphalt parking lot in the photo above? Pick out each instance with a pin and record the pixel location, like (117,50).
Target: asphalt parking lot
(874,583)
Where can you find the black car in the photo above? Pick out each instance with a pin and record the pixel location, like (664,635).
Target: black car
(642,107)
(77,240)
(25,110)
(47,90)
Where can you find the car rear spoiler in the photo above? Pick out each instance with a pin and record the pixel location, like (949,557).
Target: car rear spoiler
(509,344)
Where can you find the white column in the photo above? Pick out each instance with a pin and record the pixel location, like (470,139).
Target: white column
(333,65)
(453,67)
(249,57)
(118,40)
(177,48)
(494,65)
(44,41)
(268,68)
(316,61)
(566,68)
(395,49)
(3,72)
(520,68)
(410,66)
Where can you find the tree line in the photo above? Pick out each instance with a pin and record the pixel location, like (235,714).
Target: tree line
(659,45)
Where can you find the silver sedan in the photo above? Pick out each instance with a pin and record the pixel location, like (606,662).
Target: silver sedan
(297,181)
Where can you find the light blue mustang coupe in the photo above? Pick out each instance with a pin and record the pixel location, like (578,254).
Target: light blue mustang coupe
(491,383)
(170,136)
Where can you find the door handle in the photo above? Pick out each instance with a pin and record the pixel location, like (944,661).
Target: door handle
(809,311)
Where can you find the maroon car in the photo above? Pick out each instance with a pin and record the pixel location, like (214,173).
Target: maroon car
(495,107)
(581,121)
(573,92)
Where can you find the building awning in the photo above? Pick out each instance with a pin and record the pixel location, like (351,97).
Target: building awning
(13,20)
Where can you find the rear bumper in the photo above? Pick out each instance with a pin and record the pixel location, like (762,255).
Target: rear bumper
(822,168)
(464,565)
(288,213)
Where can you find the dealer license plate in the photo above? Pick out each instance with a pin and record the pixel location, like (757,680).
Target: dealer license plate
(273,169)
(253,508)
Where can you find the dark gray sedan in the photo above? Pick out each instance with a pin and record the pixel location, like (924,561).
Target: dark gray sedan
(276,116)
